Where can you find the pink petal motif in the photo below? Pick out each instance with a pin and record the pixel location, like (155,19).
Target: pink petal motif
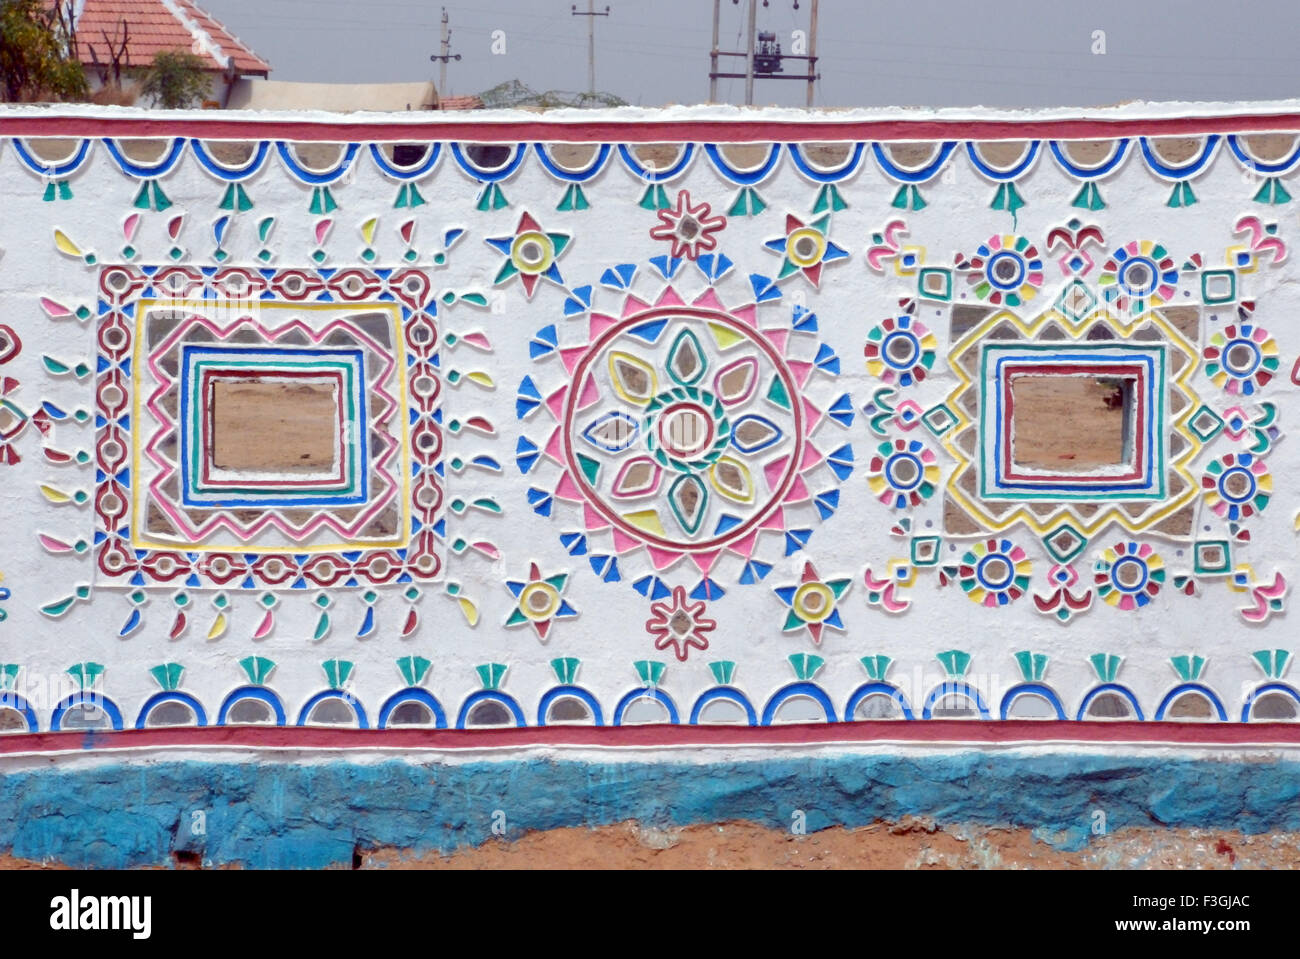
(638,477)
(568,490)
(632,305)
(709,300)
(592,519)
(735,383)
(662,558)
(669,297)
(129,226)
(801,371)
(623,543)
(54,310)
(174,226)
(598,323)
(775,470)
(705,561)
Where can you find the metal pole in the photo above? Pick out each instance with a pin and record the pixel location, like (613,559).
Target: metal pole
(442,65)
(749,59)
(812,52)
(713,57)
(591,15)
(591,46)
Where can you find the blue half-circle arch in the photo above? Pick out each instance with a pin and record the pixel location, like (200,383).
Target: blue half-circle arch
(1110,688)
(1091,173)
(743,177)
(413,694)
(490,176)
(842,172)
(483,695)
(1013,173)
(573,176)
(399,173)
(962,689)
(1244,158)
(81,699)
(656,176)
(644,692)
(260,693)
(157,699)
(37,165)
(230,174)
(1184,171)
(1182,688)
(147,170)
(729,693)
(11,700)
(315,177)
(357,709)
(1033,689)
(1286,688)
(576,692)
(875,689)
(793,690)
(927,172)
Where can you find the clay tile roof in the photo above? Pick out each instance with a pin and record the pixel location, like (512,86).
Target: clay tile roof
(155,25)
(470,102)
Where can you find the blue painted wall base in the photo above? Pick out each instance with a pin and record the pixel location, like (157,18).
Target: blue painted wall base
(285,816)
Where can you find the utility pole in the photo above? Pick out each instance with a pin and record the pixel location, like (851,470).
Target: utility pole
(749,57)
(591,15)
(812,52)
(763,55)
(713,57)
(444,55)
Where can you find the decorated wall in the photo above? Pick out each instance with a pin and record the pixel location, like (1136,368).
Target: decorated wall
(665,428)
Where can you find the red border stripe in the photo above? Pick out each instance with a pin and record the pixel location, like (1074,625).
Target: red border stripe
(957,733)
(741,130)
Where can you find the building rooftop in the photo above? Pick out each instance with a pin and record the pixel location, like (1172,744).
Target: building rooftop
(156,25)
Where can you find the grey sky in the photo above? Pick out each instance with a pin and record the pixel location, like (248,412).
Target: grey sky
(880,53)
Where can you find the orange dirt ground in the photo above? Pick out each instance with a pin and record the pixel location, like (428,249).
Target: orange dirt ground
(909,844)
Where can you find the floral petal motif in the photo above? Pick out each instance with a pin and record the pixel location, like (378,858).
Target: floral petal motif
(638,477)
(754,433)
(613,432)
(735,382)
(689,499)
(687,363)
(732,479)
(634,379)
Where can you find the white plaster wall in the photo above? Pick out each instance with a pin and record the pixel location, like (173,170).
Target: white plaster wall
(608,635)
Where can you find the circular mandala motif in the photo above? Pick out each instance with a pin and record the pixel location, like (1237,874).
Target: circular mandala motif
(1129,575)
(995,572)
(1007,269)
(900,350)
(1241,359)
(686,430)
(1237,486)
(1138,275)
(903,473)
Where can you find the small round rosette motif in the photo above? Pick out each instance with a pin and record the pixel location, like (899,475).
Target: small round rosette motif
(995,572)
(1129,575)
(1139,275)
(903,473)
(1237,486)
(900,350)
(1006,270)
(1241,359)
